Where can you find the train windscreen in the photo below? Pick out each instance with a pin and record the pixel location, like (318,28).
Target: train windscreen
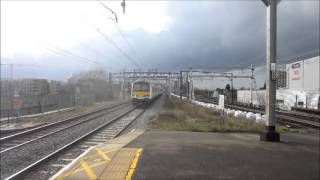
(141,86)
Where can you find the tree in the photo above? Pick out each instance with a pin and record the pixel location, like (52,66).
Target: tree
(264,86)
(228,87)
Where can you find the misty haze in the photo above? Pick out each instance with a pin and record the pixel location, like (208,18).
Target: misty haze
(129,89)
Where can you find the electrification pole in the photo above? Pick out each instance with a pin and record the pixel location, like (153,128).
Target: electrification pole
(251,84)
(122,86)
(180,85)
(231,88)
(270,133)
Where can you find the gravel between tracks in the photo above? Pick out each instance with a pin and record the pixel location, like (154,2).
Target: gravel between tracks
(49,118)
(52,166)
(15,160)
(143,121)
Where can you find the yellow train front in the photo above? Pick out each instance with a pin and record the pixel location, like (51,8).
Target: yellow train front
(143,92)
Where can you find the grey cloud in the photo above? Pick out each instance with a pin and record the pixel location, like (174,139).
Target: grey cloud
(211,34)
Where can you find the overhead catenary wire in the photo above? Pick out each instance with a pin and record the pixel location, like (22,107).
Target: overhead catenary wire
(66,53)
(122,35)
(133,52)
(110,40)
(109,9)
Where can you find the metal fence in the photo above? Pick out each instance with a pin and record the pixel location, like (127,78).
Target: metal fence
(40,104)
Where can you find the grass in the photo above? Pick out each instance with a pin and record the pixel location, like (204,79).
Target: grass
(82,108)
(185,116)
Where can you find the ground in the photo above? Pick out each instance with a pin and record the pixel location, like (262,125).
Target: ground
(199,155)
(180,115)
(143,121)
(22,123)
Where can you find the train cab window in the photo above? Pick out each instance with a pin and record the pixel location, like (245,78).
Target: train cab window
(141,86)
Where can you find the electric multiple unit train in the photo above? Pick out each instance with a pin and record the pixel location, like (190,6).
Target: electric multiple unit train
(143,92)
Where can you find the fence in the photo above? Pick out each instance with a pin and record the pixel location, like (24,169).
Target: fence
(40,104)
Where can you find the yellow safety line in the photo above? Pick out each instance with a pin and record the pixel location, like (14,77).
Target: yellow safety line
(82,169)
(133,165)
(88,170)
(102,154)
(91,165)
(104,151)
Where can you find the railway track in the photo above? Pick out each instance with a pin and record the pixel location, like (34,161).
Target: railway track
(21,156)
(21,138)
(292,118)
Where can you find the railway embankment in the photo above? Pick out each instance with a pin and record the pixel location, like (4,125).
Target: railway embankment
(185,116)
(26,122)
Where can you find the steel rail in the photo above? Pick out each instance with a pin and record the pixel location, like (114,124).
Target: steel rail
(284,117)
(58,123)
(53,132)
(20,174)
(61,129)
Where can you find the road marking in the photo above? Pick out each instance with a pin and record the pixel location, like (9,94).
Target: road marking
(102,154)
(82,169)
(104,151)
(133,164)
(88,170)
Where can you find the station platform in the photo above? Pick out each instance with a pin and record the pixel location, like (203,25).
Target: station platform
(195,155)
(106,161)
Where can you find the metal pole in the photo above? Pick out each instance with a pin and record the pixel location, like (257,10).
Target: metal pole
(12,90)
(251,84)
(231,89)
(169,83)
(188,84)
(122,86)
(270,134)
(180,85)
(110,84)
(306,102)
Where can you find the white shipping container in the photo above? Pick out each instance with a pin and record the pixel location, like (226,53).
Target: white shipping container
(243,96)
(286,98)
(304,75)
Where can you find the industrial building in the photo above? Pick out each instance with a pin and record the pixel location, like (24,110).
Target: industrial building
(302,87)
(304,75)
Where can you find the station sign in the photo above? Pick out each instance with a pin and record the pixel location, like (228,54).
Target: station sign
(295,66)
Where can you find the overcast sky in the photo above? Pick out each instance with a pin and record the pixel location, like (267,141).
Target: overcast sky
(56,39)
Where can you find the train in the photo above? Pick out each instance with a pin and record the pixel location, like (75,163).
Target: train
(143,92)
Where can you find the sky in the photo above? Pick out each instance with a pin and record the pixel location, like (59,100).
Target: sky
(53,40)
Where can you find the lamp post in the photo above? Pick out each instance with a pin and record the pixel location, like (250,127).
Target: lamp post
(270,133)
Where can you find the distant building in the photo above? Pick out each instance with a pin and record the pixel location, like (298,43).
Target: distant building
(32,87)
(5,87)
(54,86)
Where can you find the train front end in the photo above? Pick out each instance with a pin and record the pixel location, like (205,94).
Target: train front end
(141,93)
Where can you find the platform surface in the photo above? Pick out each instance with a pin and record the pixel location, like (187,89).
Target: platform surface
(109,161)
(195,155)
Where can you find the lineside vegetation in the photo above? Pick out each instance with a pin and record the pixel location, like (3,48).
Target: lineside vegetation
(185,116)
